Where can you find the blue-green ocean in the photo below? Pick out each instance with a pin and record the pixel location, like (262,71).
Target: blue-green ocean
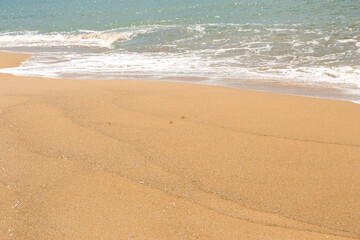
(312,43)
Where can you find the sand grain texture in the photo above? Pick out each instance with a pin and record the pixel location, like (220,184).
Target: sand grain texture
(93,159)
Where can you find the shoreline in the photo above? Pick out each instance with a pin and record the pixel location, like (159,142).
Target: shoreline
(91,159)
(326,91)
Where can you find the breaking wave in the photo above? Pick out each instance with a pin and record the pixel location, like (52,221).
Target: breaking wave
(289,54)
(87,39)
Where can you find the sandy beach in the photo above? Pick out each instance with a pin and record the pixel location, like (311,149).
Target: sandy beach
(108,159)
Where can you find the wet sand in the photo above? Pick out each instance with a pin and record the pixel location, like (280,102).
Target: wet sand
(104,159)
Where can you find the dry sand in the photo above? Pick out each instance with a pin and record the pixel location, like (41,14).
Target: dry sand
(99,159)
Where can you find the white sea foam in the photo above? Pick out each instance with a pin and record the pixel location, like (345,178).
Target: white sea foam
(86,39)
(120,65)
(347,41)
(212,51)
(198,28)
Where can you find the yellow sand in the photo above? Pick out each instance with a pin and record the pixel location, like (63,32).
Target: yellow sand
(99,159)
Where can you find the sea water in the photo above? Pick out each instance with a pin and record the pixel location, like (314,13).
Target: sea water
(312,43)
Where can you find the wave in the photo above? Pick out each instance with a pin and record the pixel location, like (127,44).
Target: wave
(281,53)
(121,65)
(35,39)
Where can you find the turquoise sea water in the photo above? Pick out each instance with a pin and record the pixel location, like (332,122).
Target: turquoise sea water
(306,42)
